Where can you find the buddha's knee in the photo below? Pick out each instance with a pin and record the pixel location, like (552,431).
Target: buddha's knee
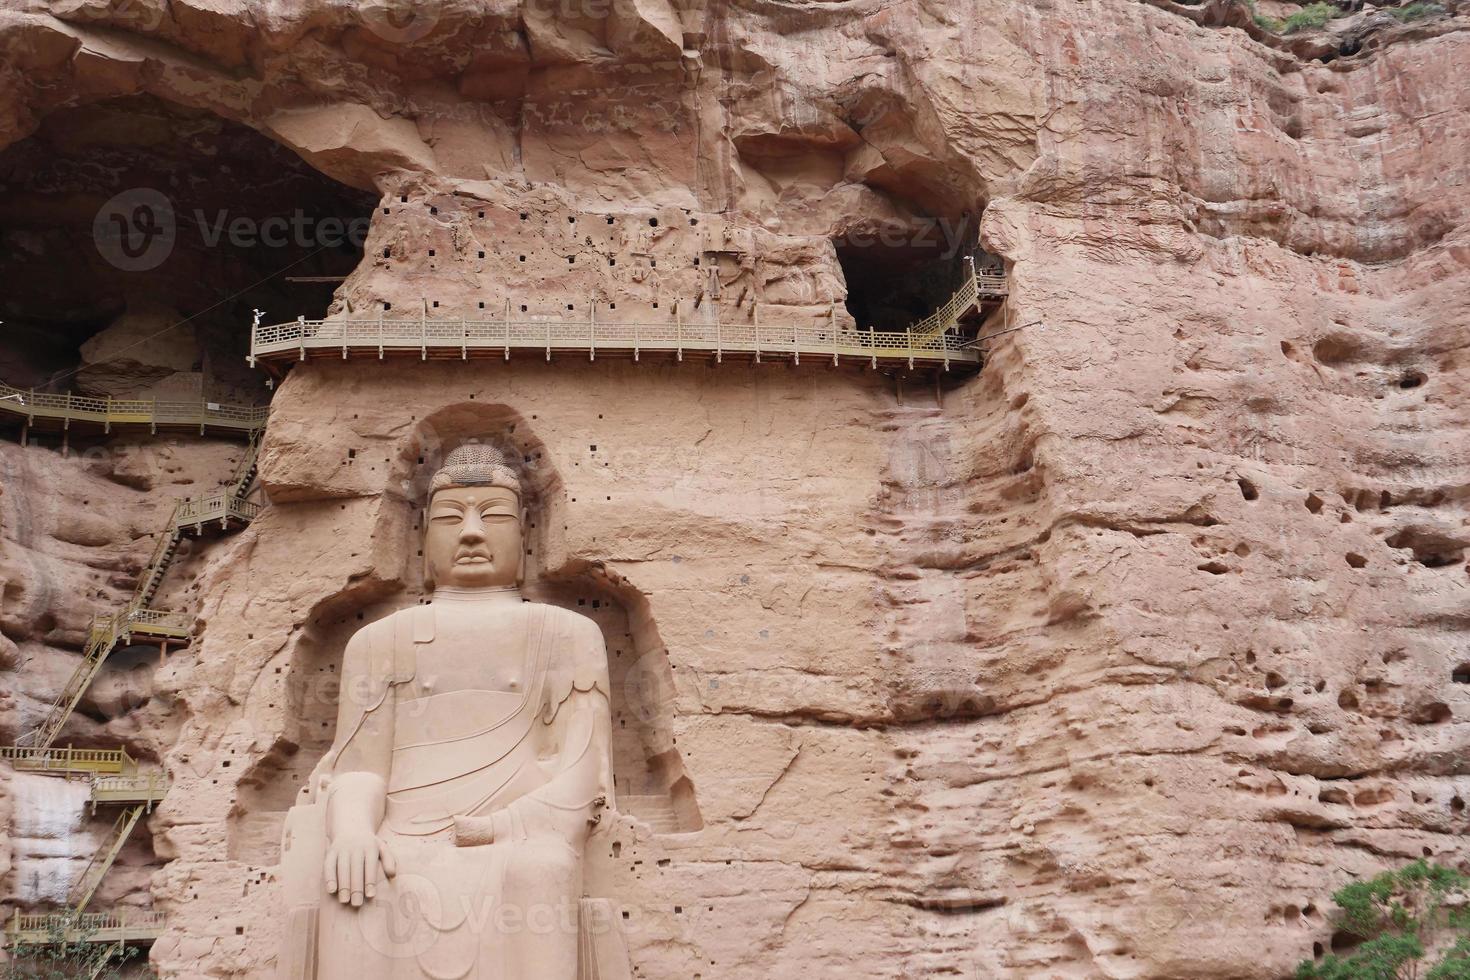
(542,868)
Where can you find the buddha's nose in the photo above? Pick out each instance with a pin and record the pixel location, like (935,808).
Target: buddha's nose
(473,529)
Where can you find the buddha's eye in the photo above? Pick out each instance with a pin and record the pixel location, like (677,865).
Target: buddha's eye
(449,518)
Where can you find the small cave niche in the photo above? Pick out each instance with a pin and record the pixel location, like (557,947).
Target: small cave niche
(138,235)
(1461,674)
(899,273)
(1429,546)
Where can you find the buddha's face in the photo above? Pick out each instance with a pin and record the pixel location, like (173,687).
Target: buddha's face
(474,537)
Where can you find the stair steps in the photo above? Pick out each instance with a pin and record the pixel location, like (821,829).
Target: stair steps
(226,505)
(656,811)
(86,886)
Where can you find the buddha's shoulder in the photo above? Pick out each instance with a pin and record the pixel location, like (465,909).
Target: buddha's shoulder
(565,619)
(419,619)
(389,624)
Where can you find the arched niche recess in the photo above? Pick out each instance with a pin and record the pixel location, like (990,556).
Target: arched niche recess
(138,236)
(649,778)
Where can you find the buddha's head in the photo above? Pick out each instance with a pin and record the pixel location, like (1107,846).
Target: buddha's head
(473,536)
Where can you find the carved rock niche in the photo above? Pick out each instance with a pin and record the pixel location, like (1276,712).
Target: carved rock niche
(649,777)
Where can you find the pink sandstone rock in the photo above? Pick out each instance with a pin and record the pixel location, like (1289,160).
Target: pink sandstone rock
(1112,660)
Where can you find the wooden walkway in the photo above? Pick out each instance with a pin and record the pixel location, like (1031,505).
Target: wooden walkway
(37,407)
(462,339)
(68,761)
(121,926)
(936,341)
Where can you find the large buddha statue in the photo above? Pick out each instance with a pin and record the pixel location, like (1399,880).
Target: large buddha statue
(442,835)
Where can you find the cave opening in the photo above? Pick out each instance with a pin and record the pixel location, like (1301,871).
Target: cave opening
(898,273)
(138,238)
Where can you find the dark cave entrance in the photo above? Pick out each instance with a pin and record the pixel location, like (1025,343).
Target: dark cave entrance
(899,273)
(136,238)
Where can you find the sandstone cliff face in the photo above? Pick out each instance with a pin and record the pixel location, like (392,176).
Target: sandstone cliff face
(1113,660)
(77,530)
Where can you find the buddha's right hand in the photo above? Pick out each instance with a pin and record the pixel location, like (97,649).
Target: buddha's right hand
(355,863)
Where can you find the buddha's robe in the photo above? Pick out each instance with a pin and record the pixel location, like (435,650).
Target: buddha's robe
(534,760)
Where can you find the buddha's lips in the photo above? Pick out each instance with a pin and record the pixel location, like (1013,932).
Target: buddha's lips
(472,558)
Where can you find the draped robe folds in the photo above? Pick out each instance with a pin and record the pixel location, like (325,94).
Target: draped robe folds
(500,911)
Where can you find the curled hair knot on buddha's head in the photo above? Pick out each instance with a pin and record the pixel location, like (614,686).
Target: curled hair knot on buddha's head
(476,465)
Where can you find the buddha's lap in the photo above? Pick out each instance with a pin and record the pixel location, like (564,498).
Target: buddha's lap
(541,868)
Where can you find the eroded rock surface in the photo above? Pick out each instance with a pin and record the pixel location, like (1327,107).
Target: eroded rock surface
(1112,660)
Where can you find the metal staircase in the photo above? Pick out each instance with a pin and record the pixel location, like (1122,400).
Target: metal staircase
(114,775)
(86,886)
(230,507)
(981,291)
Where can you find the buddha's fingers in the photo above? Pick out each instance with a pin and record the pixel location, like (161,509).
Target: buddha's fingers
(358,868)
(329,871)
(344,876)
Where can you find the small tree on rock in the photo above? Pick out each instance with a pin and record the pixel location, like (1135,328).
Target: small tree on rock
(1414,924)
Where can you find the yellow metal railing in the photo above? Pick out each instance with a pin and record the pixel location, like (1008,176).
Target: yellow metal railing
(143,788)
(68,760)
(974,291)
(130,925)
(221,505)
(152,412)
(108,629)
(103,637)
(465,336)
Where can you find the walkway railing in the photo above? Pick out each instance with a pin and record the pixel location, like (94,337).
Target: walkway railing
(151,412)
(221,505)
(143,788)
(465,337)
(130,925)
(67,760)
(977,289)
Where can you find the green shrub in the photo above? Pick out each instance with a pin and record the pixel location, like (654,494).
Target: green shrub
(1311,16)
(1262,21)
(1401,915)
(1415,11)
